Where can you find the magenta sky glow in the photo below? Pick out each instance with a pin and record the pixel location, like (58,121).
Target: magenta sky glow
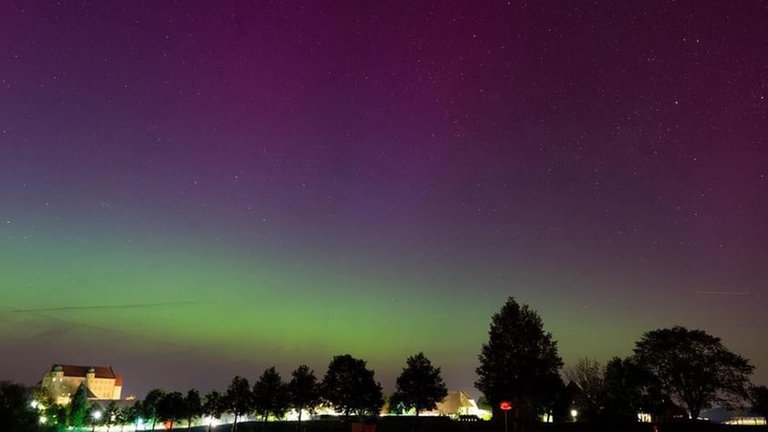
(603,162)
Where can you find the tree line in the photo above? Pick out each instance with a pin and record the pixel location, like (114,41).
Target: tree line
(348,386)
(672,372)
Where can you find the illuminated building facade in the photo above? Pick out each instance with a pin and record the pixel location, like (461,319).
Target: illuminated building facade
(102,383)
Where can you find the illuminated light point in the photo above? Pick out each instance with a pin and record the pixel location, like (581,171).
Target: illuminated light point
(505,406)
(96,415)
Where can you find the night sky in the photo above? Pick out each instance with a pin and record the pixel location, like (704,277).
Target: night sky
(191,191)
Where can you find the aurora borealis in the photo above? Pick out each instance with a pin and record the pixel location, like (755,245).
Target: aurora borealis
(195,190)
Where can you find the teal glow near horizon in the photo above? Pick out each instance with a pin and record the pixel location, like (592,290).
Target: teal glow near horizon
(262,309)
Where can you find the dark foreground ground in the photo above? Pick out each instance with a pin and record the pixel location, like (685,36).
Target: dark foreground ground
(401,424)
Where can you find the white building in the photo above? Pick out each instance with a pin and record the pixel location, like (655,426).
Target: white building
(102,382)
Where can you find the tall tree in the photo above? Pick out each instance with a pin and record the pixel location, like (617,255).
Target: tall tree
(133,413)
(238,399)
(213,407)
(520,362)
(170,408)
(149,405)
(349,386)
(193,406)
(270,394)
(78,407)
(303,390)
(625,390)
(16,414)
(420,385)
(693,367)
(588,374)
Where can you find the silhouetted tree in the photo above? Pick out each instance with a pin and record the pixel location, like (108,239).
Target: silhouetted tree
(16,414)
(238,399)
(214,405)
(133,413)
(193,407)
(420,385)
(170,408)
(111,413)
(349,386)
(150,404)
(694,367)
(303,390)
(624,390)
(759,397)
(588,375)
(270,394)
(122,416)
(520,362)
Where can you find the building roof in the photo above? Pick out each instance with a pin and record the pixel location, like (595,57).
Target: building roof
(90,394)
(454,401)
(81,371)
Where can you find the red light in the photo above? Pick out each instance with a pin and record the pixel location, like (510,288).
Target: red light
(505,405)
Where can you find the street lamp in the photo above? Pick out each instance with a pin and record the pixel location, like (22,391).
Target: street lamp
(574,414)
(96,415)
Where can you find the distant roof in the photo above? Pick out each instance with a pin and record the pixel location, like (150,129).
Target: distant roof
(81,371)
(453,401)
(90,394)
